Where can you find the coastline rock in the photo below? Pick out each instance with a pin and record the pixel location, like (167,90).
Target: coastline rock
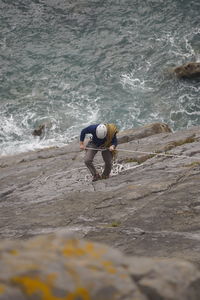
(58,266)
(189,70)
(149,207)
(142,132)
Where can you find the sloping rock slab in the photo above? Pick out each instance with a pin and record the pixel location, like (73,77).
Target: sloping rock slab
(151,207)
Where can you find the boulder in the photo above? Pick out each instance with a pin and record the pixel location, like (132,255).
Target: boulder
(62,267)
(142,132)
(39,131)
(189,70)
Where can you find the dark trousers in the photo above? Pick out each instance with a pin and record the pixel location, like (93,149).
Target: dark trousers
(90,154)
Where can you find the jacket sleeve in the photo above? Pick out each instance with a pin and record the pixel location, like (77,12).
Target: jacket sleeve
(114,140)
(90,129)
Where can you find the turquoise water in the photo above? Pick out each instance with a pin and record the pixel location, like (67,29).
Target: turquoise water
(73,63)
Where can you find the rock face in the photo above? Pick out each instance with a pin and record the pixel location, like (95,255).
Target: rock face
(59,267)
(189,70)
(149,207)
(142,132)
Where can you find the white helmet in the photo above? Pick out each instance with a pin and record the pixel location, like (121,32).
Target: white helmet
(101,131)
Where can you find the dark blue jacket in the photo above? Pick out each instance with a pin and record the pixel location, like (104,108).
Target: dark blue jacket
(92,130)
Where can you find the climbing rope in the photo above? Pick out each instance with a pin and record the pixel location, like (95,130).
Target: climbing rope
(146,152)
(119,167)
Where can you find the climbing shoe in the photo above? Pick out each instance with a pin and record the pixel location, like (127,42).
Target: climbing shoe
(96,177)
(104,176)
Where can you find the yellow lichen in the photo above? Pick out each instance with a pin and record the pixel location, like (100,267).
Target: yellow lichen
(13,252)
(36,285)
(74,248)
(109,267)
(43,289)
(115,224)
(123,275)
(2,288)
(94,251)
(71,249)
(80,293)
(74,274)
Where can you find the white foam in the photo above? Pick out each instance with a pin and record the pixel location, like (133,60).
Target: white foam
(134,83)
(64,122)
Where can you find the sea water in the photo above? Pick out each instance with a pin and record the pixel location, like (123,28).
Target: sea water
(71,63)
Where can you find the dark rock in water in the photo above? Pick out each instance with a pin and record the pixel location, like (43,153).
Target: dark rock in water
(189,70)
(59,266)
(39,131)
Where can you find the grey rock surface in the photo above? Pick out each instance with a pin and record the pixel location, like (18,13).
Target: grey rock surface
(60,267)
(150,206)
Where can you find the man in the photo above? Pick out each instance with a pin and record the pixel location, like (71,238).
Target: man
(103,137)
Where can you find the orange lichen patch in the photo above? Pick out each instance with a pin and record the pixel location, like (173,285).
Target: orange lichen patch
(74,248)
(2,288)
(109,267)
(43,289)
(74,274)
(14,252)
(94,268)
(80,293)
(36,285)
(123,275)
(94,251)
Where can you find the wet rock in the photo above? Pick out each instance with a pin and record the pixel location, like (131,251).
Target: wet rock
(189,70)
(39,130)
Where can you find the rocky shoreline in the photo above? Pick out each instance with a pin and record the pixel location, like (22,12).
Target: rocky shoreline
(149,207)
